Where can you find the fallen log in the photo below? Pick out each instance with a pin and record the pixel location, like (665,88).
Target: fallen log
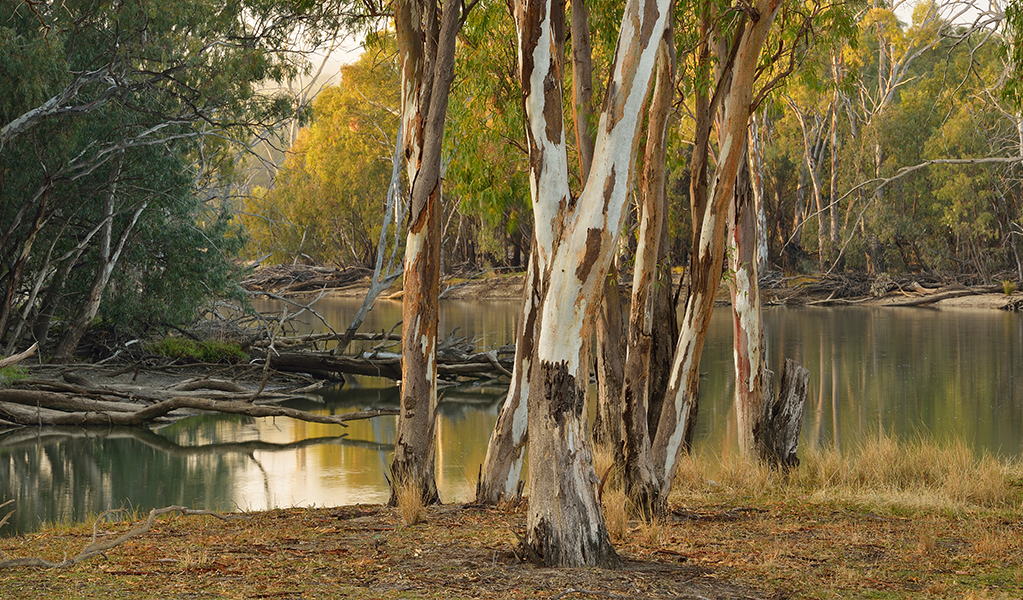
(33,415)
(932,298)
(16,358)
(481,364)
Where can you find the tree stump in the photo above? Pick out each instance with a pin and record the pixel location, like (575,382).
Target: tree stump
(777,437)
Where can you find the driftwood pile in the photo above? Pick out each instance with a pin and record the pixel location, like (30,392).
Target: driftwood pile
(857,288)
(79,401)
(457,359)
(287,279)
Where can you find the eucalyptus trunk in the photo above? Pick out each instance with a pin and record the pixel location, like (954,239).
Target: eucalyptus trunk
(747,322)
(565,524)
(640,387)
(426,44)
(674,431)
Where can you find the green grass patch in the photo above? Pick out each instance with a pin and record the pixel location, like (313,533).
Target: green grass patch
(12,373)
(208,351)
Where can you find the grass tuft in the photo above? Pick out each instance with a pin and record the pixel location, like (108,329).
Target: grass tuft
(411,506)
(12,373)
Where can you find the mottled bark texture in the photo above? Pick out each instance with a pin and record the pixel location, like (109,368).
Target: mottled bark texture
(426,44)
(551,202)
(608,431)
(747,325)
(502,467)
(565,525)
(711,197)
(641,483)
(777,439)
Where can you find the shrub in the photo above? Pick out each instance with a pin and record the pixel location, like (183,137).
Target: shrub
(208,351)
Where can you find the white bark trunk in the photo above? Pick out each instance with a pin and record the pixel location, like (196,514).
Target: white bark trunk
(565,525)
(684,387)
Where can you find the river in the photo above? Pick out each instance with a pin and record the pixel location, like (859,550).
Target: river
(905,371)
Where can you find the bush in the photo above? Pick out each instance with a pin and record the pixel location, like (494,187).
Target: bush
(208,351)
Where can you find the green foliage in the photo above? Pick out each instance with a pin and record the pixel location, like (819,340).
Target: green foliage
(329,196)
(12,373)
(171,89)
(208,351)
(1012,91)
(488,172)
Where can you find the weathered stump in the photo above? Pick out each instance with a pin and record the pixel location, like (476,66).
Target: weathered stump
(777,437)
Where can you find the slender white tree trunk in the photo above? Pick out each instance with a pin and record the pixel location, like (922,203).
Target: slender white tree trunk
(426,43)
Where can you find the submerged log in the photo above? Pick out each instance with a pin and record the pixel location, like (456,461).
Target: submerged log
(386,364)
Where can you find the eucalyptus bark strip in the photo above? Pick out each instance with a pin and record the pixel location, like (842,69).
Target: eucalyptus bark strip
(641,482)
(749,353)
(550,197)
(426,42)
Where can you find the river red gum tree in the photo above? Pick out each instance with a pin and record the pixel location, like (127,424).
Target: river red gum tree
(426,34)
(565,525)
(712,194)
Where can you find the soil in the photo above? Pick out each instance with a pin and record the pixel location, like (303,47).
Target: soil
(714,548)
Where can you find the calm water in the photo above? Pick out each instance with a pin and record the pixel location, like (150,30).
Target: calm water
(904,371)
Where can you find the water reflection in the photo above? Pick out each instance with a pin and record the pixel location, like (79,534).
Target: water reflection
(902,371)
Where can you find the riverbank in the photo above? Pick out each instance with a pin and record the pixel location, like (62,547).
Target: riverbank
(831,290)
(888,521)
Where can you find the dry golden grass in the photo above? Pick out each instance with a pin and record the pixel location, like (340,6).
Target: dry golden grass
(881,472)
(616,512)
(409,497)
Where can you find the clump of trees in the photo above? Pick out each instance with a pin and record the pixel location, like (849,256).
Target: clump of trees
(120,131)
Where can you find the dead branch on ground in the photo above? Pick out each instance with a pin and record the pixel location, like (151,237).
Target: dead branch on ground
(97,547)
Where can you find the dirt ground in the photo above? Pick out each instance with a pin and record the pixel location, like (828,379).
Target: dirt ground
(741,549)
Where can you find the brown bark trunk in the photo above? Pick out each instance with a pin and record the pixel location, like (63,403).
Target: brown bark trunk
(674,432)
(610,334)
(778,437)
(502,467)
(427,46)
(641,482)
(747,325)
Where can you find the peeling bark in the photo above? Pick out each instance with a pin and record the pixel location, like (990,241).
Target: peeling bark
(565,525)
(426,43)
(747,325)
(641,481)
(674,432)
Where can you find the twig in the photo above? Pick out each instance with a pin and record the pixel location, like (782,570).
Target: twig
(95,547)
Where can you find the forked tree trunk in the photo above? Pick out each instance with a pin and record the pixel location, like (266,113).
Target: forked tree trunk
(565,525)
(641,481)
(674,428)
(426,44)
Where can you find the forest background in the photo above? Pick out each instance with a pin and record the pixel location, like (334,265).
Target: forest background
(146,148)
